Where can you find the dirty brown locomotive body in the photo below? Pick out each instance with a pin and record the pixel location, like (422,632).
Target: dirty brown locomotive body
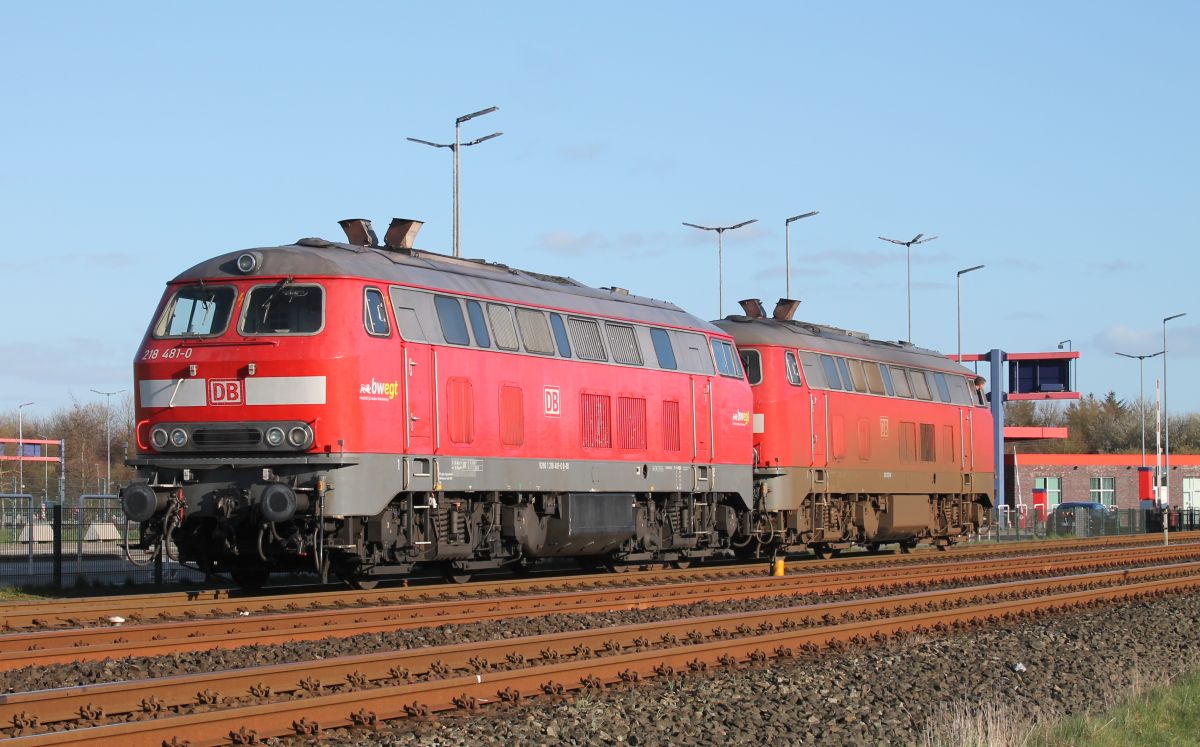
(860,441)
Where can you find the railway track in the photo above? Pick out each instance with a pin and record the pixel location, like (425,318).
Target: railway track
(160,638)
(73,613)
(362,691)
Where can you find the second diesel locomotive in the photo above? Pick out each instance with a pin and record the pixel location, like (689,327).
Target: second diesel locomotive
(363,409)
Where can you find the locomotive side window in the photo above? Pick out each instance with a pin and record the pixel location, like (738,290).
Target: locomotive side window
(663,350)
(560,335)
(943,388)
(874,378)
(450,317)
(959,393)
(535,331)
(793,368)
(812,370)
(920,385)
(623,343)
(197,311)
(586,333)
(284,309)
(375,313)
(503,326)
(844,370)
(696,358)
(886,372)
(829,367)
(727,361)
(857,375)
(752,362)
(478,324)
(900,379)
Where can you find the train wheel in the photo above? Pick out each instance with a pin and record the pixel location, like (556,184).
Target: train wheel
(362,583)
(681,564)
(458,577)
(872,547)
(825,552)
(250,579)
(907,547)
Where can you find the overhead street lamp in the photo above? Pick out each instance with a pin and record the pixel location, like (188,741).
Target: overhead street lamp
(1167,418)
(1070,363)
(720,259)
(455,147)
(1141,359)
(21,445)
(958,303)
(787,249)
(108,439)
(909,245)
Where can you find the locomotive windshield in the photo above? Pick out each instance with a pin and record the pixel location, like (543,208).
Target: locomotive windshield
(284,309)
(197,311)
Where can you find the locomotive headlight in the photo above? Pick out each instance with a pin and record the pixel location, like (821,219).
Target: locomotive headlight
(300,436)
(159,438)
(247,263)
(275,436)
(179,438)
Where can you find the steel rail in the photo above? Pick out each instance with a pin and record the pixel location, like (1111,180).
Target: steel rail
(59,646)
(366,707)
(41,614)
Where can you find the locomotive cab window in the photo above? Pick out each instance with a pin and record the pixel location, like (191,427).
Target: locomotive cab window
(727,360)
(197,311)
(450,317)
(793,368)
(284,309)
(813,374)
(752,362)
(375,313)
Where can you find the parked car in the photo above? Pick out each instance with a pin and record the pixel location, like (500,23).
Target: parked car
(1100,520)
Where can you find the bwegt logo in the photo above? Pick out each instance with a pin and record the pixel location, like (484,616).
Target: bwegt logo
(379,389)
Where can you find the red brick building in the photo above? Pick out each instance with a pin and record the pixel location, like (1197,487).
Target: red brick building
(1111,479)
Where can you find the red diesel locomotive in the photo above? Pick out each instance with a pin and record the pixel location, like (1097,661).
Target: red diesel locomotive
(860,441)
(363,409)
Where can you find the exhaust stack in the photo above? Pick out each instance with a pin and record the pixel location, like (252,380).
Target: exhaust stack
(401,233)
(359,232)
(785,309)
(753,308)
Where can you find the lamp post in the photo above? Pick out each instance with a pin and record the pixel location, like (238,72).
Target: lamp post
(909,245)
(958,303)
(455,147)
(787,249)
(1167,423)
(1070,366)
(1141,359)
(720,259)
(21,445)
(107,439)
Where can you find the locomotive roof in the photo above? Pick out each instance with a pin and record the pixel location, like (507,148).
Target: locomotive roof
(318,257)
(797,334)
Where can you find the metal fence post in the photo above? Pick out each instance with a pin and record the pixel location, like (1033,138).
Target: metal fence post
(158,563)
(58,537)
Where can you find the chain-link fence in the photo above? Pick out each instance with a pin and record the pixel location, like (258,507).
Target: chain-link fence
(81,544)
(1024,522)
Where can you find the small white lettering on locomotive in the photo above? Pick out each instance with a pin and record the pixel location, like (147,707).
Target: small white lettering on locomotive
(554,466)
(553,401)
(225,392)
(378,391)
(466,465)
(166,354)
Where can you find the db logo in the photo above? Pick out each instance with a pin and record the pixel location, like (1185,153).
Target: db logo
(552,401)
(224,392)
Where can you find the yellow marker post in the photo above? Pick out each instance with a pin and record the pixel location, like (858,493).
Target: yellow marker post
(778,566)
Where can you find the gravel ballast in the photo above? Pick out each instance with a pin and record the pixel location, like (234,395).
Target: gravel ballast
(1040,669)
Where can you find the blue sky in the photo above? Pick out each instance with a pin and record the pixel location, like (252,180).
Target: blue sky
(1054,142)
